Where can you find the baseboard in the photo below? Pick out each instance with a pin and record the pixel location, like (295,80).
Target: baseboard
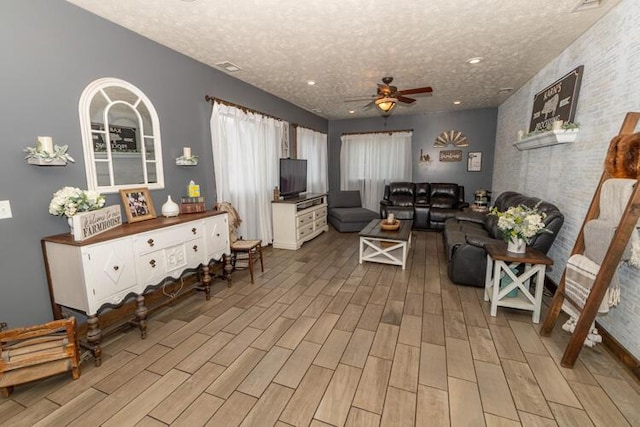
(608,341)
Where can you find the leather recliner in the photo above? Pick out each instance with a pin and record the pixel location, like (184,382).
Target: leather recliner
(467,233)
(399,198)
(446,201)
(416,201)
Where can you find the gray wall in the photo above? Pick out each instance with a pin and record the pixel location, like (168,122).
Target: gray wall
(479,126)
(50,51)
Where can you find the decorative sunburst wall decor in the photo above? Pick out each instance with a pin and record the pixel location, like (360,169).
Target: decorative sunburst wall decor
(451,137)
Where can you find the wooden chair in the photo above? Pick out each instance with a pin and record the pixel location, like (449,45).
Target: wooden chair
(37,352)
(250,248)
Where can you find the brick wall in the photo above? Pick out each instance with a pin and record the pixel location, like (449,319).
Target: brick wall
(567,175)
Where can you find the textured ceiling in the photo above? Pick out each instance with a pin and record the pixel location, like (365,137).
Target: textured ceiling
(347,46)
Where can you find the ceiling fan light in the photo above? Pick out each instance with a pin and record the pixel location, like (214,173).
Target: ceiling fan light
(386,104)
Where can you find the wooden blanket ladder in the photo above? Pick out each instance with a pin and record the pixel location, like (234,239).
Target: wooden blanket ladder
(609,265)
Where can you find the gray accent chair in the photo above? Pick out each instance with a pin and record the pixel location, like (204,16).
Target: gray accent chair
(346,213)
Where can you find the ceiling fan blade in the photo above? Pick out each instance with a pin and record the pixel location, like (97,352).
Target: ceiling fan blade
(426,89)
(405,99)
(368,105)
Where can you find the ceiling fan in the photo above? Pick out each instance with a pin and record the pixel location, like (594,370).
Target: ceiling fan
(388,96)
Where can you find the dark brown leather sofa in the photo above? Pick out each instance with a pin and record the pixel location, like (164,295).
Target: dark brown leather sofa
(467,233)
(428,205)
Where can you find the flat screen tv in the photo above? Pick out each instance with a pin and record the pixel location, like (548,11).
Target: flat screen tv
(293,177)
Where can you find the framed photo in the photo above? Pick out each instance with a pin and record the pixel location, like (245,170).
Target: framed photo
(137,204)
(474,161)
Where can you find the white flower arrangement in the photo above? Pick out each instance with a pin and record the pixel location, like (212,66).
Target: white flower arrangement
(70,200)
(520,222)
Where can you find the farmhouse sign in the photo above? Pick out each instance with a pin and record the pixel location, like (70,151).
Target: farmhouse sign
(558,101)
(451,155)
(89,224)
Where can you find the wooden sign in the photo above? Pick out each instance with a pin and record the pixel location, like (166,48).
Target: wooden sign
(92,223)
(558,101)
(451,156)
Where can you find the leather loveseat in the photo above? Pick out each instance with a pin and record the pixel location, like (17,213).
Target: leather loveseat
(467,233)
(429,205)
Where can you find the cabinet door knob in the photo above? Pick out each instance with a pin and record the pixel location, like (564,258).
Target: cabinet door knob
(217,234)
(150,242)
(116,268)
(153,263)
(194,230)
(195,248)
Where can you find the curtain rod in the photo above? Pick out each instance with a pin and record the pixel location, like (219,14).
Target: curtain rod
(379,131)
(295,125)
(212,99)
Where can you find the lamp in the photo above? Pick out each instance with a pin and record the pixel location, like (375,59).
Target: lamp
(386,104)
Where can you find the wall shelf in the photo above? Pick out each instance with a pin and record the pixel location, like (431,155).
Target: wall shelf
(43,162)
(546,139)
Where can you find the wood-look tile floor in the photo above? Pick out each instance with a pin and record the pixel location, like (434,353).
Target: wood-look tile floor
(320,340)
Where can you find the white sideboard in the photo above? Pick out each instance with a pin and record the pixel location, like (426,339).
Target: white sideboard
(298,220)
(131,260)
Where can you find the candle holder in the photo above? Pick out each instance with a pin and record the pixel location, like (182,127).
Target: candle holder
(192,160)
(47,154)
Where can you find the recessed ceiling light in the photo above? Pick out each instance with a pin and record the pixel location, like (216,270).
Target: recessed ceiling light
(229,67)
(475,60)
(457,102)
(311,82)
(352,111)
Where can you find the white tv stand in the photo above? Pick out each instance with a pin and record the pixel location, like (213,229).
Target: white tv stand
(298,220)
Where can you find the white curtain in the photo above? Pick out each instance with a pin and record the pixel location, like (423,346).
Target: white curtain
(369,161)
(246,149)
(312,146)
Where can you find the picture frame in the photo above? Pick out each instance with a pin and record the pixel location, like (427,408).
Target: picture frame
(474,161)
(137,204)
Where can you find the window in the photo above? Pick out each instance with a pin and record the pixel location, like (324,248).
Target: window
(120,137)
(371,160)
(246,147)
(312,146)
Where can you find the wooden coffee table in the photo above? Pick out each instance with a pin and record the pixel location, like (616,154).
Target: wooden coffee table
(386,247)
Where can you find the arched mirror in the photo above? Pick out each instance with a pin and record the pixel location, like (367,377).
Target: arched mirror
(120,136)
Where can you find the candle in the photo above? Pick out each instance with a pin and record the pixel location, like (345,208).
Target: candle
(557,125)
(46,143)
(520,134)
(391,218)
(186,151)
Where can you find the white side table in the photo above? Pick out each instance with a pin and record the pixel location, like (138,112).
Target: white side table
(500,263)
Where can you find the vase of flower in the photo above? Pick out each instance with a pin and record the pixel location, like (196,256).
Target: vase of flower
(516,245)
(519,225)
(69,201)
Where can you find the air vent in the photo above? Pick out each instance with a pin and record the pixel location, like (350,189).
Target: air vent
(229,67)
(588,5)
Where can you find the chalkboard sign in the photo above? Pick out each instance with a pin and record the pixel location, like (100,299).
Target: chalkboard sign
(558,101)
(123,139)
